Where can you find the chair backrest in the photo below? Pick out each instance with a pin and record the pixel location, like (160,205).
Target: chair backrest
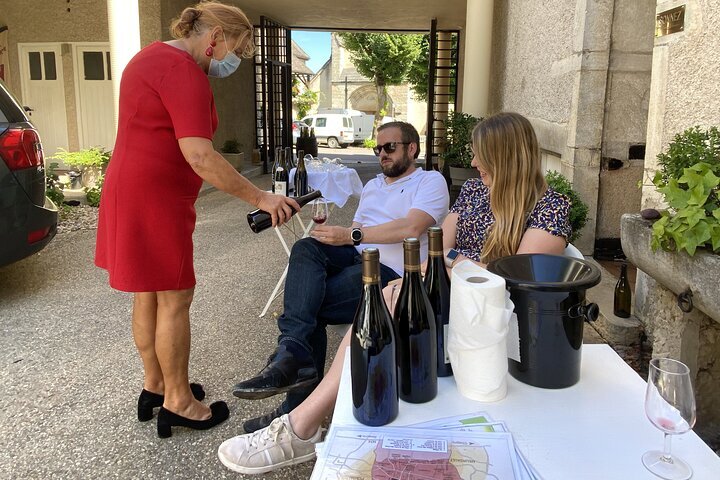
(572,251)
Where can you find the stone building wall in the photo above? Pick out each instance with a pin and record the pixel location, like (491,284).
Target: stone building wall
(685,88)
(579,70)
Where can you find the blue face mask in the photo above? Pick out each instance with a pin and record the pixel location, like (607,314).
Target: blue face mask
(225,67)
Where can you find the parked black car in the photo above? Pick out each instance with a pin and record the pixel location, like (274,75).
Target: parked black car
(28,219)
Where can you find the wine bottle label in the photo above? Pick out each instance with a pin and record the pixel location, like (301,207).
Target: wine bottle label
(281,188)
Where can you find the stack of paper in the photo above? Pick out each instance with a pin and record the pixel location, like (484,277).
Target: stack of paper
(461,447)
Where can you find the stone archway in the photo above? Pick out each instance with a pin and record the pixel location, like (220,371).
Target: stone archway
(364,98)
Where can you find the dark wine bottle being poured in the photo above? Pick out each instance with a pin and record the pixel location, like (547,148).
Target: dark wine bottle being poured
(260,220)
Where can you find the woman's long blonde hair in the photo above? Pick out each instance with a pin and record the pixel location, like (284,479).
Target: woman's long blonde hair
(211,14)
(506,147)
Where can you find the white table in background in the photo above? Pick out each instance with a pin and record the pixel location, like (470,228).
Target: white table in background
(594,430)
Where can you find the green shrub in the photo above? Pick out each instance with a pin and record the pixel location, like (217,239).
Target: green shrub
(92,194)
(689,179)
(52,186)
(88,157)
(578,208)
(231,146)
(369,143)
(458,139)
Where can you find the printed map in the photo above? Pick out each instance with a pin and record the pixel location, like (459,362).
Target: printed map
(414,454)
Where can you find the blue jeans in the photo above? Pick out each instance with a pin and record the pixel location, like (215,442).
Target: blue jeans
(323,287)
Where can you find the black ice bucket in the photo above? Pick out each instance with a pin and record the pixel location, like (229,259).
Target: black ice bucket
(549,296)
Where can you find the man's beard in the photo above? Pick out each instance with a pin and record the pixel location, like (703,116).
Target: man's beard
(394,170)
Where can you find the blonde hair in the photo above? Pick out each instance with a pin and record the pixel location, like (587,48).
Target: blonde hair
(506,147)
(207,15)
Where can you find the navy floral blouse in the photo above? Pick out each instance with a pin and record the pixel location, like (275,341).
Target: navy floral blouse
(551,213)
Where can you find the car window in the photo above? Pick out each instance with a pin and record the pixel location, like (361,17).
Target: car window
(349,122)
(320,121)
(345,122)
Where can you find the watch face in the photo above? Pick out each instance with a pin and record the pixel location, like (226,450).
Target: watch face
(356,234)
(452,254)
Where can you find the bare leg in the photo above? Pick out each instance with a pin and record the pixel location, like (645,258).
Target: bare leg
(172,344)
(144,321)
(309,415)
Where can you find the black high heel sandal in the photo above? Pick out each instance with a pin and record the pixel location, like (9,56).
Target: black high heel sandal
(167,419)
(150,400)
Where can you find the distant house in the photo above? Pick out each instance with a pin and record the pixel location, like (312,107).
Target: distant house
(342,86)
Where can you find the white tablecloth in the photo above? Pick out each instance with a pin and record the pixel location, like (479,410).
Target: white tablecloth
(594,430)
(336,185)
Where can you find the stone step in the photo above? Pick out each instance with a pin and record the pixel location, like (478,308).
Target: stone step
(615,330)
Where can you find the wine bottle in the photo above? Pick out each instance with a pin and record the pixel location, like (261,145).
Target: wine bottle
(417,340)
(623,294)
(437,284)
(260,220)
(276,164)
(289,161)
(372,351)
(301,176)
(281,175)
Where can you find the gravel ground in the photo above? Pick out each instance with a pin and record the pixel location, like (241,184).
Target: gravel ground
(84,217)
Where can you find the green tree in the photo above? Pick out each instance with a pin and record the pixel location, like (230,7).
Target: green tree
(304,102)
(384,58)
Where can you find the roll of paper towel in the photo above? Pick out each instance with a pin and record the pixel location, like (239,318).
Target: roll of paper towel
(480,309)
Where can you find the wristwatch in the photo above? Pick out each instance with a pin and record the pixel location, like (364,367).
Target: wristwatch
(356,235)
(450,257)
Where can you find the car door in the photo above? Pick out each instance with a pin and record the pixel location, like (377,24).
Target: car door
(321,127)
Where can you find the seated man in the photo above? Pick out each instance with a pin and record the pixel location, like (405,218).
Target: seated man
(323,285)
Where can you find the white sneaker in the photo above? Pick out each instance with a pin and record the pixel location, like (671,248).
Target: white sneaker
(267,449)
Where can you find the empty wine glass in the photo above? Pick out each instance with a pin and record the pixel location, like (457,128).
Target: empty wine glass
(320,211)
(670,406)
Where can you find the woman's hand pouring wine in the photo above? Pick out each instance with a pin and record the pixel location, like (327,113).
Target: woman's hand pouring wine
(279,207)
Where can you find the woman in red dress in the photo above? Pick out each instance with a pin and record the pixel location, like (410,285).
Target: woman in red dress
(162,155)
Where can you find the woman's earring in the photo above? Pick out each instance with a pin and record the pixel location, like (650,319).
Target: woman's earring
(210,50)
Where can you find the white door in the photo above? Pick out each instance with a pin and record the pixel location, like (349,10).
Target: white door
(94,93)
(43,91)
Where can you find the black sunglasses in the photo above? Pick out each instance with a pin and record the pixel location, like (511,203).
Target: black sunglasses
(389,147)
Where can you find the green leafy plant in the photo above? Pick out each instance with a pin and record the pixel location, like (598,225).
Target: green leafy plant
(52,185)
(689,148)
(304,102)
(578,209)
(88,157)
(693,219)
(458,139)
(92,194)
(369,143)
(230,146)
(688,180)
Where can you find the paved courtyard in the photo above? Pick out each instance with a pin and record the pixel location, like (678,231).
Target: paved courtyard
(71,375)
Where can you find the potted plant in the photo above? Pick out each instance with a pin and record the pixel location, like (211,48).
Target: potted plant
(231,151)
(578,208)
(458,146)
(91,162)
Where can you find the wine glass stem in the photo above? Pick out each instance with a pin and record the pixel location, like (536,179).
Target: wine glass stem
(667,458)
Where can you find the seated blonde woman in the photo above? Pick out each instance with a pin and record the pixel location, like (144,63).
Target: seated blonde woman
(508,210)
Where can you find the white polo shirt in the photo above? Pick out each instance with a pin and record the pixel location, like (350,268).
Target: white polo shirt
(381,203)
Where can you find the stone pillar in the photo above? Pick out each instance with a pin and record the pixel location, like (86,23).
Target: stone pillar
(478,48)
(124,27)
(582,160)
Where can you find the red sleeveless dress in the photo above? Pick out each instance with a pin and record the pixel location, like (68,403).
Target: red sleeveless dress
(147,209)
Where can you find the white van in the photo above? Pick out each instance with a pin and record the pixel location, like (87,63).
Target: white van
(335,129)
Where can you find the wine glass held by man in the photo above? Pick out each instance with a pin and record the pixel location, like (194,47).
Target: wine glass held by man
(162,154)
(509,210)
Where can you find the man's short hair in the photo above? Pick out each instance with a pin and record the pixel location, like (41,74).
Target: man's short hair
(407,133)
